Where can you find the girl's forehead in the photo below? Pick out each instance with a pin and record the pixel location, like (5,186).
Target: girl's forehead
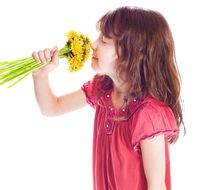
(105,29)
(101,35)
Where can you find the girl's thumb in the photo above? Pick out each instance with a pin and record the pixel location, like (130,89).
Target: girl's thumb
(55,57)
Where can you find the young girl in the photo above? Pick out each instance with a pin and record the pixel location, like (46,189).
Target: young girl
(136,96)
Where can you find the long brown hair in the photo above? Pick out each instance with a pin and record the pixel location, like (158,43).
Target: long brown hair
(146,55)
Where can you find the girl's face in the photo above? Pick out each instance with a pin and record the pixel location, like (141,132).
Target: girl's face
(104,56)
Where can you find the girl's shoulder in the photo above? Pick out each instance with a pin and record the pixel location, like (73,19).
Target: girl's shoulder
(152,118)
(154,108)
(151,103)
(147,104)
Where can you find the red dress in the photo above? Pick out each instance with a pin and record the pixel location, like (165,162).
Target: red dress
(117,158)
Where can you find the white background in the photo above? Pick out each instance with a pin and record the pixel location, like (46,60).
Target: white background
(43,153)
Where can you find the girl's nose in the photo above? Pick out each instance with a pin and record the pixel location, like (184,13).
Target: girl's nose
(94,45)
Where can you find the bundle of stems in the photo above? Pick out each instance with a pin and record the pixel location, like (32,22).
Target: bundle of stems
(76,51)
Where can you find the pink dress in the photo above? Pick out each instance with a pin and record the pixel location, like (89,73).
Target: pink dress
(117,158)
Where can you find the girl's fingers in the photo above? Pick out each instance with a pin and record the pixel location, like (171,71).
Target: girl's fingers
(41,56)
(47,55)
(35,56)
(53,50)
(55,57)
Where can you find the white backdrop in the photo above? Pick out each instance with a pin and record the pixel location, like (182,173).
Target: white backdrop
(38,152)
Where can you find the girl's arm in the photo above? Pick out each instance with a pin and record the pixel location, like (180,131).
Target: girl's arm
(153,155)
(49,104)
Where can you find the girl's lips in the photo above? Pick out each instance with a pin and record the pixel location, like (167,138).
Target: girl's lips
(94,57)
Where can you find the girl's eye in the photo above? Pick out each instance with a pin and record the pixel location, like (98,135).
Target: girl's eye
(103,40)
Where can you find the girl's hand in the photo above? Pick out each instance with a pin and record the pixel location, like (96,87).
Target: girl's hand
(48,57)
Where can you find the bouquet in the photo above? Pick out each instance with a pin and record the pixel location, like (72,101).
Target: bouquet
(76,51)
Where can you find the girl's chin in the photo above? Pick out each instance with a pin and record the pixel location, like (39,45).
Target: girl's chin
(96,70)
(95,66)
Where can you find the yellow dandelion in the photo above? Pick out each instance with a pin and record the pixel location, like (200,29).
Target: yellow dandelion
(78,50)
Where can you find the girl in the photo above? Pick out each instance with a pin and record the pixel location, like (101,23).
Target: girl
(136,96)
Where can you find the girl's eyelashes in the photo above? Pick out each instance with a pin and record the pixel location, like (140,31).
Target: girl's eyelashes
(107,40)
(103,40)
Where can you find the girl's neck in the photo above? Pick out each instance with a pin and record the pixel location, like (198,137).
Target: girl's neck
(119,94)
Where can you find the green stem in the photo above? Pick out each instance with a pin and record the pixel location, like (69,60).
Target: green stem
(17,70)
(17,73)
